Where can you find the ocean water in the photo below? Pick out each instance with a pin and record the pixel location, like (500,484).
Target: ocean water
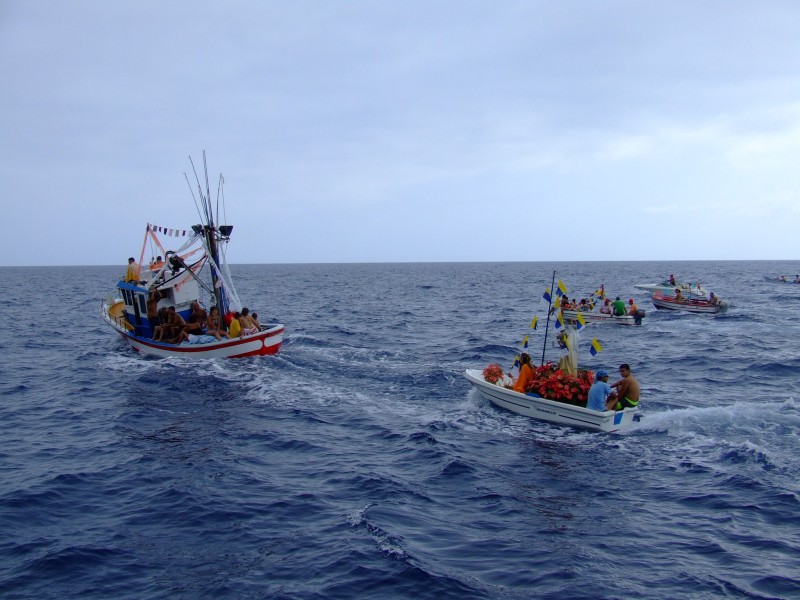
(359,463)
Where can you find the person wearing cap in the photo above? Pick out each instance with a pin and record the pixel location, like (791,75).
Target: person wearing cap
(632,308)
(601,397)
(618,307)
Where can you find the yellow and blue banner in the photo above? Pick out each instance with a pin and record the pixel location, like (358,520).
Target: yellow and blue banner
(581,321)
(546,296)
(559,320)
(534,322)
(595,347)
(561,289)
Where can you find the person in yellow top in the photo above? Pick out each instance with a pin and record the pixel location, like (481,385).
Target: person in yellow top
(632,308)
(525,374)
(132,274)
(235,328)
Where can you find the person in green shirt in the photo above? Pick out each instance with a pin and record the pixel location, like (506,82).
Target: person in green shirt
(618,307)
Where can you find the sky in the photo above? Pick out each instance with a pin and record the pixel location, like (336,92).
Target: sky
(403,131)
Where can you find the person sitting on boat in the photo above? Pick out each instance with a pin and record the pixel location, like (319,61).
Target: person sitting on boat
(678,296)
(796,279)
(256,322)
(157,264)
(213,325)
(235,327)
(618,307)
(175,325)
(713,299)
(526,377)
(248,327)
(132,274)
(165,322)
(192,327)
(632,308)
(601,396)
(199,313)
(606,308)
(627,388)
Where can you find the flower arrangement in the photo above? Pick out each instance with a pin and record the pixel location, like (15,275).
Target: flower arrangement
(493,373)
(554,384)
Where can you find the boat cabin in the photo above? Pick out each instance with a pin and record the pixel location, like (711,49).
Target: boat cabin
(178,290)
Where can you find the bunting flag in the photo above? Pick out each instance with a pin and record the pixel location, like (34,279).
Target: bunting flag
(534,323)
(567,341)
(581,322)
(559,320)
(595,347)
(557,303)
(561,289)
(516,363)
(546,296)
(167,231)
(525,342)
(602,291)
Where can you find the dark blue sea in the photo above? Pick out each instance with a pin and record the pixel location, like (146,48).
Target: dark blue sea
(359,463)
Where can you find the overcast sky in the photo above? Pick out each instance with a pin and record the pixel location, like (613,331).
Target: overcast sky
(371,131)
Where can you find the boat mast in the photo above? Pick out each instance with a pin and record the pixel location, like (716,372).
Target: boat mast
(547,327)
(209,232)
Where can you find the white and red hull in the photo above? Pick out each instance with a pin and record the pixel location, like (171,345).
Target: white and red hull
(268,341)
(692,306)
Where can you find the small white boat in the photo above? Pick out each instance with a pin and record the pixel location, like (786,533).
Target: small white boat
(197,271)
(550,410)
(571,316)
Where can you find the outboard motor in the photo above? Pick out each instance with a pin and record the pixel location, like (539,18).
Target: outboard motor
(638,316)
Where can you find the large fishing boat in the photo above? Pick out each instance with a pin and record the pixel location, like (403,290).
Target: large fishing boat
(195,274)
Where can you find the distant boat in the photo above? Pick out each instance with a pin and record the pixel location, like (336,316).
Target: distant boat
(197,271)
(782,278)
(598,317)
(691,304)
(686,288)
(550,410)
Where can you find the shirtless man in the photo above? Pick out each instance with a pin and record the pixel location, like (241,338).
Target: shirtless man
(627,389)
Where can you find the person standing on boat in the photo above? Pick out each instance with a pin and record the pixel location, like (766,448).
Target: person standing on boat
(627,388)
(618,307)
(601,396)
(525,374)
(132,274)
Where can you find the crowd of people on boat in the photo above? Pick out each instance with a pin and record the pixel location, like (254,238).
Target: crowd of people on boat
(606,306)
(200,326)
